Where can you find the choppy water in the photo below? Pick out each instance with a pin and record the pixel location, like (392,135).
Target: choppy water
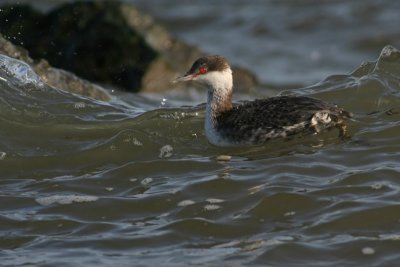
(87,183)
(134,182)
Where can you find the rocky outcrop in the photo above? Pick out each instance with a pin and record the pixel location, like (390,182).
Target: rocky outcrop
(107,42)
(58,78)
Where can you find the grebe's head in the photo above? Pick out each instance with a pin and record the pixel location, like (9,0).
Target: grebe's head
(209,70)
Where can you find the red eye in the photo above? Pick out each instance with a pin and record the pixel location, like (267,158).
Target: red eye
(202,70)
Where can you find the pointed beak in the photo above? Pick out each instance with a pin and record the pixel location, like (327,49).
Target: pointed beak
(185,78)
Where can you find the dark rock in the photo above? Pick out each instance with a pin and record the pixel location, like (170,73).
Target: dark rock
(175,56)
(107,42)
(61,79)
(91,39)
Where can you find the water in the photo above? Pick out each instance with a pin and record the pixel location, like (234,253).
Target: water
(134,182)
(88,183)
(285,42)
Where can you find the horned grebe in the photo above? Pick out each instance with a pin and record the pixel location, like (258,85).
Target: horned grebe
(259,120)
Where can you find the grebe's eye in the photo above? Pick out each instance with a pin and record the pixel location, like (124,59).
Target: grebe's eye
(202,70)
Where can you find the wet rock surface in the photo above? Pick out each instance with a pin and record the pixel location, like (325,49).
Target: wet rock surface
(110,43)
(88,38)
(58,78)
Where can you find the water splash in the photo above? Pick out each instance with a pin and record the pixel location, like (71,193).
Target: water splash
(18,72)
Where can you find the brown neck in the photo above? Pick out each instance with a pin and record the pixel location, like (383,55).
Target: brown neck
(219,98)
(219,101)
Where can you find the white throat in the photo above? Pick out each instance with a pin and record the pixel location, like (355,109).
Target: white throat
(219,99)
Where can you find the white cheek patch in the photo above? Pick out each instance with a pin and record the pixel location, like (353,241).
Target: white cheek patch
(218,80)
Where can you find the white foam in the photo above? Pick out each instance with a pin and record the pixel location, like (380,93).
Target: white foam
(185,203)
(368,251)
(214,200)
(146,181)
(212,207)
(290,213)
(166,151)
(64,199)
(20,71)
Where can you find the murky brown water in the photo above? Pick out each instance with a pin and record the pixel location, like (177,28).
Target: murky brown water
(134,182)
